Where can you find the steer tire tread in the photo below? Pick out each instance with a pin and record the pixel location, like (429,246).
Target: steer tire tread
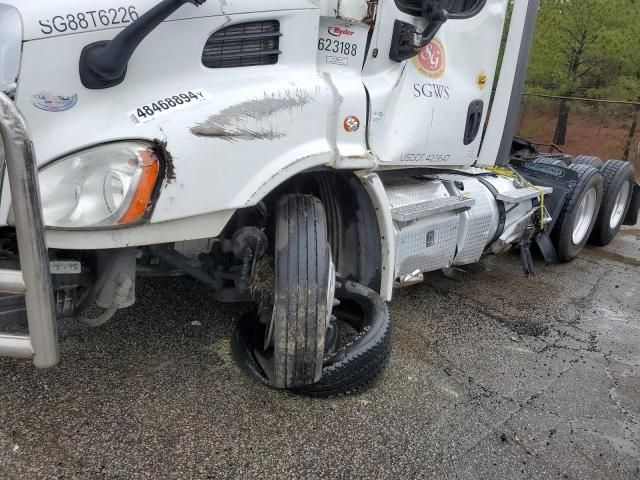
(302,269)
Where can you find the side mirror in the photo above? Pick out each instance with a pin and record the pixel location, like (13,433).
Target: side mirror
(407,40)
(104,64)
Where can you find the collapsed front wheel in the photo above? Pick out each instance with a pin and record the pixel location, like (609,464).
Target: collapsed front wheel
(313,336)
(357,349)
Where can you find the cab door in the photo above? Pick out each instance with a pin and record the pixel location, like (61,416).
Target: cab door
(430,109)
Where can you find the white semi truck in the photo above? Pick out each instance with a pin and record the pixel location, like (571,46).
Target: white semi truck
(306,155)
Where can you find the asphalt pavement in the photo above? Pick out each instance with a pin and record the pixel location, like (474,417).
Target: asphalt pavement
(493,375)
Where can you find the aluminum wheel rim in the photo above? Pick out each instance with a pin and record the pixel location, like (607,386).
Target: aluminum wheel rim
(331,290)
(620,206)
(586,210)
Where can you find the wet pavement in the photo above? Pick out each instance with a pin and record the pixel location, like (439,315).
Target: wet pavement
(493,375)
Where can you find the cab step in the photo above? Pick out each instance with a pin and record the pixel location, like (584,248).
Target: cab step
(415,211)
(519,195)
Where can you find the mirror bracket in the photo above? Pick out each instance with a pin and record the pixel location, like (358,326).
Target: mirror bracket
(405,43)
(103,64)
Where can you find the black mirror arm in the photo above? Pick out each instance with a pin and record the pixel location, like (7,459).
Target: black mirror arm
(436,15)
(104,64)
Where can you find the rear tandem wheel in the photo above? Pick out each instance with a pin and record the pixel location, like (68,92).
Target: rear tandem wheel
(619,181)
(578,217)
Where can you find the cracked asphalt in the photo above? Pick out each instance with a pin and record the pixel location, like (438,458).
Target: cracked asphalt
(493,375)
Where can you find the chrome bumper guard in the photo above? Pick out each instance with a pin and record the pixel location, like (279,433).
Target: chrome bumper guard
(34,280)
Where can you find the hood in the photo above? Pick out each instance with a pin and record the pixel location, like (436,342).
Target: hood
(48,18)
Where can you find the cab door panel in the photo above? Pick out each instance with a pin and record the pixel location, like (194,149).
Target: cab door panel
(421,108)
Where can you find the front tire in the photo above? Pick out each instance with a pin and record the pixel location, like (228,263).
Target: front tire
(303,291)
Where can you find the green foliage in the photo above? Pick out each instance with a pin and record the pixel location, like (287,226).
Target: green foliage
(588,48)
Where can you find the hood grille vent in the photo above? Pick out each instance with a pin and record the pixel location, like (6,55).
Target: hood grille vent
(243,45)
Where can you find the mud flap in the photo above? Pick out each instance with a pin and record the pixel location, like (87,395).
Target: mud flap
(525,251)
(632,214)
(546,248)
(561,179)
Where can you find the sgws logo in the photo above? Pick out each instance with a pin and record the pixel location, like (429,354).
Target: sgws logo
(431,60)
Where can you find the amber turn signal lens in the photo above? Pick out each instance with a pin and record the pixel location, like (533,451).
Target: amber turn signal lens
(144,191)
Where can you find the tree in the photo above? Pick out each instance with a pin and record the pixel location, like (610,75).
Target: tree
(626,84)
(577,49)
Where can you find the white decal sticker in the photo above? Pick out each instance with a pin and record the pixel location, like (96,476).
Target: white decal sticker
(425,157)
(341,46)
(337,60)
(170,104)
(338,46)
(61,267)
(70,22)
(50,102)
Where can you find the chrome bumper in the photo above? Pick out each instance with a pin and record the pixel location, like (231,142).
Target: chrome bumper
(34,280)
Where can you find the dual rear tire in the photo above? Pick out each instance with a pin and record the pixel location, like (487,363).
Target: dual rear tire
(597,206)
(579,214)
(588,160)
(619,182)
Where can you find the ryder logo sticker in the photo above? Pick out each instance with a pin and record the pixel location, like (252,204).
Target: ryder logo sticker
(338,31)
(431,60)
(50,102)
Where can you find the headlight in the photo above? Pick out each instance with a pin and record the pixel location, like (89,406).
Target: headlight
(104,186)
(10,48)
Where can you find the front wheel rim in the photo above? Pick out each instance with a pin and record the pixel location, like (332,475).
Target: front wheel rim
(331,289)
(619,206)
(584,216)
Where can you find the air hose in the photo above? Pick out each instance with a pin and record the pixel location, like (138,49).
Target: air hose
(123,290)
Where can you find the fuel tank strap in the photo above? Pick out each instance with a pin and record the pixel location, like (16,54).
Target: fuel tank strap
(502,212)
